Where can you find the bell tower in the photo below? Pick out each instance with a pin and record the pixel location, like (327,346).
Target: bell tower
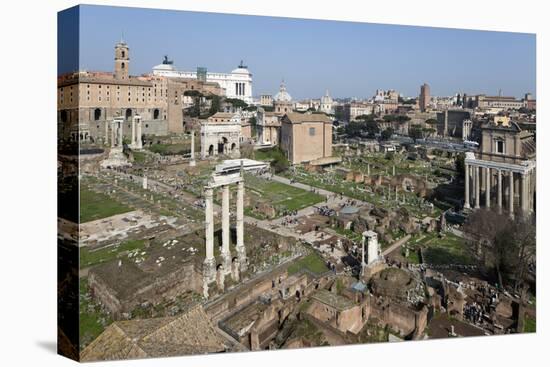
(122,60)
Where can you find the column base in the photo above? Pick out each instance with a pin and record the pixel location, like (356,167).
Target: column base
(226,261)
(192,163)
(243,260)
(209,270)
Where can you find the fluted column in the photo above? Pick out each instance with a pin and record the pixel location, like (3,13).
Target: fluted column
(511,194)
(477,185)
(133,142)
(106,142)
(113,131)
(487,187)
(120,132)
(226,253)
(241,250)
(209,234)
(499,190)
(192,162)
(524,194)
(466,186)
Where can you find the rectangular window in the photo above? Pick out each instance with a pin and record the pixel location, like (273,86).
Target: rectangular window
(500,146)
(311,131)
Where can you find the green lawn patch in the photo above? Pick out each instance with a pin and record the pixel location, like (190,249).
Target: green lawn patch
(530,325)
(93,257)
(95,205)
(93,320)
(311,262)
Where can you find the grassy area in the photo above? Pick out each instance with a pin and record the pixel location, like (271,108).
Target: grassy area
(93,257)
(311,262)
(530,325)
(170,149)
(93,320)
(449,249)
(94,205)
(139,157)
(281,196)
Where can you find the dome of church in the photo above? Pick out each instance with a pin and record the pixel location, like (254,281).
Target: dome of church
(283,95)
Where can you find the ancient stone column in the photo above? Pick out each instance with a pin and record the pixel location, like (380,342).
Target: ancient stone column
(120,132)
(393,172)
(524,194)
(133,142)
(511,194)
(145,182)
(477,185)
(139,143)
(226,253)
(106,142)
(466,186)
(368,169)
(241,250)
(113,131)
(209,261)
(487,187)
(499,190)
(363,263)
(192,162)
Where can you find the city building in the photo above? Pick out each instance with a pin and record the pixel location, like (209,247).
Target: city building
(236,84)
(268,127)
(424,98)
(282,103)
(503,172)
(221,134)
(266,100)
(306,137)
(327,104)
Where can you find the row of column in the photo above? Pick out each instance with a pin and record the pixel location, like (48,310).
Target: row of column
(483,176)
(210,261)
(117,132)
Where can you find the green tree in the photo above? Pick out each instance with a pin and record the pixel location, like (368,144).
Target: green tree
(387,134)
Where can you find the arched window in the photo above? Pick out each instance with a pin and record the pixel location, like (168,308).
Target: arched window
(128,113)
(123,53)
(122,65)
(97,114)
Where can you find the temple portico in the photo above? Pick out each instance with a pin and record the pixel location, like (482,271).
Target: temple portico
(500,183)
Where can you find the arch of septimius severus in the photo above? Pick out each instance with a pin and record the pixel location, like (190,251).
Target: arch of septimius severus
(503,173)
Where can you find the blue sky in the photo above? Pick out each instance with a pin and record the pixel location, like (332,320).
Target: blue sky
(350,59)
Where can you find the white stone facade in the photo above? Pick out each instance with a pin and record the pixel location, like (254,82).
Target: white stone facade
(220,138)
(237,83)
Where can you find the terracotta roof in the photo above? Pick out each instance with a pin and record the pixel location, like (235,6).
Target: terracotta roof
(189,333)
(298,118)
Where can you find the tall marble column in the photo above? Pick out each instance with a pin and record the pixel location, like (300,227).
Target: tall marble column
(133,141)
(524,194)
(192,162)
(511,193)
(466,186)
(139,143)
(106,142)
(209,261)
(499,190)
(113,132)
(241,250)
(120,133)
(487,187)
(226,253)
(477,185)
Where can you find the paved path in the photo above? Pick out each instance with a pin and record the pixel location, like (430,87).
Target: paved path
(396,245)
